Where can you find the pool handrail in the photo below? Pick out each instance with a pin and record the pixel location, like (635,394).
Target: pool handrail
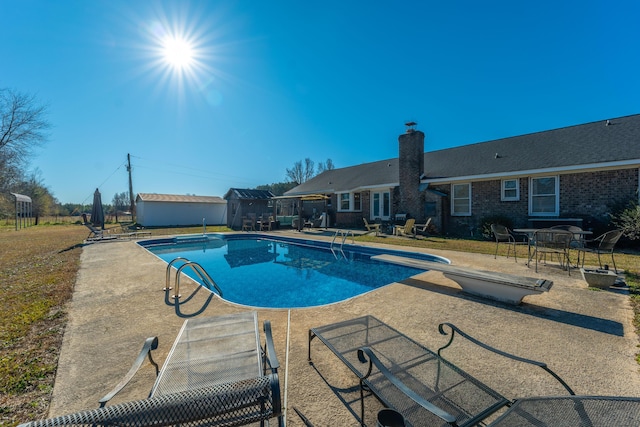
(344,234)
(200,272)
(167,281)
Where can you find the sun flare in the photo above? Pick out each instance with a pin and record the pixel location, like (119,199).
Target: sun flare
(177,52)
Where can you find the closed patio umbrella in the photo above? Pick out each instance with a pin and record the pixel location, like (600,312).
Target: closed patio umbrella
(97,213)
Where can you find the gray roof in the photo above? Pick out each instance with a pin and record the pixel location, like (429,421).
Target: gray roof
(382,173)
(591,144)
(604,143)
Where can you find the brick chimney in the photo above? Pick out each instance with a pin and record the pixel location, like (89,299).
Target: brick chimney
(411,168)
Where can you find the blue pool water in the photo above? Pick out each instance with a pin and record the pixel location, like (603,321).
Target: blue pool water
(262,271)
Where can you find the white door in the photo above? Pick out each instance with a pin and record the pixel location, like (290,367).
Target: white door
(380,205)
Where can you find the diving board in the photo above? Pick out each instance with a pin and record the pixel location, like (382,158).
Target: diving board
(488,284)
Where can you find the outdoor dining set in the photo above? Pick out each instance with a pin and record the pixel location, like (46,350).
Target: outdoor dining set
(557,241)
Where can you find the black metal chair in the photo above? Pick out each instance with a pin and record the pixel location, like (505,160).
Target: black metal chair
(503,235)
(603,244)
(550,241)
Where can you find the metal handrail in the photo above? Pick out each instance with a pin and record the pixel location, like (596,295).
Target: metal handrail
(202,274)
(344,234)
(167,281)
(197,268)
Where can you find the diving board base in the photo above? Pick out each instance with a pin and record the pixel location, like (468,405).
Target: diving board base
(502,287)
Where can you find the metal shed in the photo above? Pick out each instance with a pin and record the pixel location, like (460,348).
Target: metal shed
(155,210)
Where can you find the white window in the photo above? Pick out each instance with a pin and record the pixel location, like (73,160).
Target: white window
(461,199)
(357,202)
(380,205)
(510,190)
(543,199)
(345,202)
(350,201)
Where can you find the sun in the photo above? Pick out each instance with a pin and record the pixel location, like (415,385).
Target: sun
(178,52)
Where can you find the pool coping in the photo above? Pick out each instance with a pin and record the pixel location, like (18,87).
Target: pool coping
(585,336)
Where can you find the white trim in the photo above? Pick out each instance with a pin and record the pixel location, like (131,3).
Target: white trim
(382,192)
(351,201)
(515,198)
(593,167)
(378,186)
(453,213)
(557,196)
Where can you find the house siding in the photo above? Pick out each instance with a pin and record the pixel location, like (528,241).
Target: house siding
(590,196)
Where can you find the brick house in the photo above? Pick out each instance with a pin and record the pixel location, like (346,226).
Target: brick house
(576,174)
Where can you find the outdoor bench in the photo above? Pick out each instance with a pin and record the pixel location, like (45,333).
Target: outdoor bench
(407,377)
(503,287)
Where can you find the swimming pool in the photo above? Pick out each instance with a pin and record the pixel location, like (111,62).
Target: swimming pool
(280,272)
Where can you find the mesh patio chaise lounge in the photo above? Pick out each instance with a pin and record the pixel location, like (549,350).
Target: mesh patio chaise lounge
(406,376)
(217,373)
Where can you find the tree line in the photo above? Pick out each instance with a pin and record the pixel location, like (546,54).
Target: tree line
(301,172)
(24,128)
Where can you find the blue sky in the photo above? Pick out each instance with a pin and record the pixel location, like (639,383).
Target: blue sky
(271,83)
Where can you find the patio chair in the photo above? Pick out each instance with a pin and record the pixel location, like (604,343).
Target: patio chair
(405,230)
(372,226)
(552,242)
(424,228)
(216,373)
(94,233)
(503,235)
(247,224)
(578,236)
(265,222)
(603,244)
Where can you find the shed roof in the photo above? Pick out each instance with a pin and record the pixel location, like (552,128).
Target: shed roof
(248,194)
(178,198)
(21,197)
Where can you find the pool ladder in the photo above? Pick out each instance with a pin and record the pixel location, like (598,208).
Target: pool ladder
(197,269)
(344,234)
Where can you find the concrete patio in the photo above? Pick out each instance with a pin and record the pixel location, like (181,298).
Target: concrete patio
(585,336)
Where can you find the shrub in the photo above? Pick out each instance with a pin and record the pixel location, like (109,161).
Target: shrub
(485,224)
(628,221)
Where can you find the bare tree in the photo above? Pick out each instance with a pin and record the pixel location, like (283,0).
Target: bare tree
(325,166)
(120,202)
(301,172)
(22,128)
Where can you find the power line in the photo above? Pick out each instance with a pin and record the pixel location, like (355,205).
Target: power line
(103,182)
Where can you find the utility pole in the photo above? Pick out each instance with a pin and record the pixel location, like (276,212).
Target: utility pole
(132,208)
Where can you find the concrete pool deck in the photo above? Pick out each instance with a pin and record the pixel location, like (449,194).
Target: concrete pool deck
(585,336)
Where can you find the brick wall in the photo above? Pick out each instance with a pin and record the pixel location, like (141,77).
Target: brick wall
(411,166)
(590,196)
